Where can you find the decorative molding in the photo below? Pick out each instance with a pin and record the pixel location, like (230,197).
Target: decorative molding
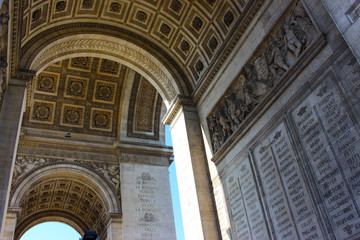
(67,151)
(175,107)
(135,157)
(111,48)
(144,110)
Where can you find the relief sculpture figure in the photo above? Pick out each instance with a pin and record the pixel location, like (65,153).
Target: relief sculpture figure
(291,41)
(233,112)
(286,42)
(225,124)
(302,25)
(254,89)
(276,59)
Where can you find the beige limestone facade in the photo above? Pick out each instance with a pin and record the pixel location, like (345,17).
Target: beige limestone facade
(262,99)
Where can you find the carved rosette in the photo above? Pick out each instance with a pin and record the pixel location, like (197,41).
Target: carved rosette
(290,37)
(43,112)
(101,119)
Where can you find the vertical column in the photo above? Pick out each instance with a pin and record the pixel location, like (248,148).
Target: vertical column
(10,123)
(114,228)
(9,225)
(146,202)
(192,171)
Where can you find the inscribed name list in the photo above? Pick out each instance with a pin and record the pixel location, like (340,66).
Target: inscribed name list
(331,143)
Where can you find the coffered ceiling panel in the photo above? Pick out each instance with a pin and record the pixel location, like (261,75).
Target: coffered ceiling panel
(193,33)
(84,95)
(80,95)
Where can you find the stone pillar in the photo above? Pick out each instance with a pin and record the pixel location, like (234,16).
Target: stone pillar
(196,197)
(346,15)
(114,228)
(10,124)
(146,202)
(8,229)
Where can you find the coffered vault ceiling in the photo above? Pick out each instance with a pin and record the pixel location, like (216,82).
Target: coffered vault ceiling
(188,36)
(62,199)
(84,95)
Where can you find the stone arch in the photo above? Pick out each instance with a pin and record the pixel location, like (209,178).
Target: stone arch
(122,51)
(94,183)
(71,171)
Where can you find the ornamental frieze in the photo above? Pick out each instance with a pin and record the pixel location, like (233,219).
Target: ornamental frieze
(291,36)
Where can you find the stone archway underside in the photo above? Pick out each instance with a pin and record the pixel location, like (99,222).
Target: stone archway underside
(65,199)
(114,49)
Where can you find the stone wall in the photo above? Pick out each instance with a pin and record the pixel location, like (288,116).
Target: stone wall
(289,169)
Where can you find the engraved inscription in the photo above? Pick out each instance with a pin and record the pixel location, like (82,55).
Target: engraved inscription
(252,203)
(244,203)
(287,197)
(236,207)
(146,203)
(293,182)
(331,140)
(148,209)
(222,211)
(275,198)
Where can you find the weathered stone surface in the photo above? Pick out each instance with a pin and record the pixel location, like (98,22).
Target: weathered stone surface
(262,98)
(146,202)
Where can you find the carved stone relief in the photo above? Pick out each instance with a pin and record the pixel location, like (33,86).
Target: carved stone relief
(290,37)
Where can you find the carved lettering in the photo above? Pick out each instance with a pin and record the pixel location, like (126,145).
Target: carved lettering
(333,154)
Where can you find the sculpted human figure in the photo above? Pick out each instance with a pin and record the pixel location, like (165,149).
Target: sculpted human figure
(233,112)
(254,89)
(4,18)
(216,139)
(215,131)
(244,111)
(20,166)
(291,41)
(114,175)
(225,124)
(213,123)
(275,58)
(302,25)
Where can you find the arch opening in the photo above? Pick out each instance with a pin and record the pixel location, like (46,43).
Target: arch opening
(67,193)
(57,229)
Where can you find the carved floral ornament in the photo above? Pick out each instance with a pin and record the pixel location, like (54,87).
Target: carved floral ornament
(291,36)
(124,52)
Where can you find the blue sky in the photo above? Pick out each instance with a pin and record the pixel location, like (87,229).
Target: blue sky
(60,231)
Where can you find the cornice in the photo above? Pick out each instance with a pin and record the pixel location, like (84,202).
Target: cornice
(175,106)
